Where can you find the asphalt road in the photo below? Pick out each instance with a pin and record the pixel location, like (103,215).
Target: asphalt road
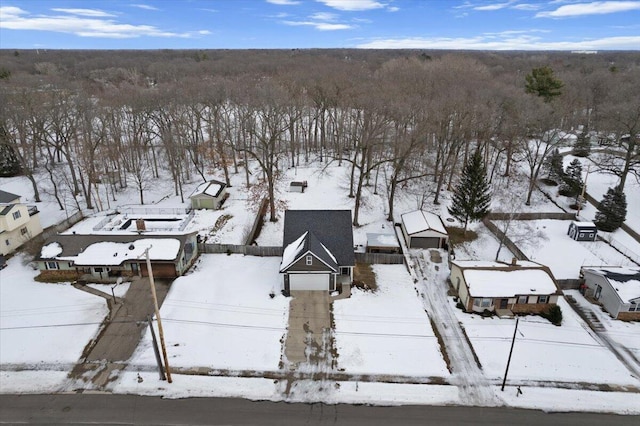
(92,409)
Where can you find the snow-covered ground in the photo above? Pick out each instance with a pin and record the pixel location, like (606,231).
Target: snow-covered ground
(542,351)
(552,246)
(42,323)
(387,331)
(221,316)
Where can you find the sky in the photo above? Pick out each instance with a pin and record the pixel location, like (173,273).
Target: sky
(274,24)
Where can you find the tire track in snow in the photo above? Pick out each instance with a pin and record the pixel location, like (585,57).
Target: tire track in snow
(473,386)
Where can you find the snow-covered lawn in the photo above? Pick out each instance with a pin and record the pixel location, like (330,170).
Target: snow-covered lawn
(387,331)
(44,323)
(542,351)
(624,333)
(563,255)
(221,316)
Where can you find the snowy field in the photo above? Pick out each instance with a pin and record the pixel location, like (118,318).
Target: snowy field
(563,255)
(387,331)
(543,352)
(44,323)
(221,316)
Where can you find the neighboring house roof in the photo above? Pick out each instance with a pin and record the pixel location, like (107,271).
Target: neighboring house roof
(212,188)
(382,240)
(7,197)
(5,209)
(419,221)
(332,228)
(496,279)
(625,281)
(307,243)
(94,250)
(583,224)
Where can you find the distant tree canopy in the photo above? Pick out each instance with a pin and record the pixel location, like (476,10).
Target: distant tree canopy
(541,82)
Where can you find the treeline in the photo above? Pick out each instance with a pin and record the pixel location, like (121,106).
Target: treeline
(123,118)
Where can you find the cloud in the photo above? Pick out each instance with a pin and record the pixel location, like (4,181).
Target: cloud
(324,16)
(498,41)
(353,5)
(494,6)
(320,26)
(85,12)
(144,6)
(284,2)
(593,8)
(526,6)
(14,18)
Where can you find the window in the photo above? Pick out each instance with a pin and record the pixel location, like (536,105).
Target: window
(543,299)
(16,215)
(99,270)
(634,307)
(24,231)
(345,271)
(483,302)
(309,260)
(522,299)
(52,265)
(7,242)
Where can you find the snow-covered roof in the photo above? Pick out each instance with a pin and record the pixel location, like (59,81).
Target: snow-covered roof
(624,280)
(584,224)
(307,243)
(508,283)
(292,251)
(109,253)
(211,188)
(492,264)
(382,240)
(418,221)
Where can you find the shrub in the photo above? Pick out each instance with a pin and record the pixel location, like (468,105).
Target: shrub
(553,314)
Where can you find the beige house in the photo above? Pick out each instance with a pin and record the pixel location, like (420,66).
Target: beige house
(504,288)
(18,222)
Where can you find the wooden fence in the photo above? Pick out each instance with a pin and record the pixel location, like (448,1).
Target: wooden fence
(505,240)
(380,258)
(531,216)
(257,223)
(274,251)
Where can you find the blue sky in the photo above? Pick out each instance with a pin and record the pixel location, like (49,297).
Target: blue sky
(242,24)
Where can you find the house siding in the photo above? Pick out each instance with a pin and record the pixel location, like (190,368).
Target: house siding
(608,296)
(12,237)
(316,266)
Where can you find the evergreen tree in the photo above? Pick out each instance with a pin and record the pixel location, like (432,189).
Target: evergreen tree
(541,82)
(554,168)
(572,180)
(612,210)
(582,148)
(9,164)
(471,197)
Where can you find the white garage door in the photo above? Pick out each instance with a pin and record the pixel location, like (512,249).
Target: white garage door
(309,282)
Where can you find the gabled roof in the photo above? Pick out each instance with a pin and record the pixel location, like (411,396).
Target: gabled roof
(5,209)
(497,279)
(419,221)
(307,243)
(101,250)
(212,188)
(583,224)
(7,197)
(331,228)
(625,281)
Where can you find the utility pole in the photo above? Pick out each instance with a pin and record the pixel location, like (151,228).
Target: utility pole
(513,341)
(155,304)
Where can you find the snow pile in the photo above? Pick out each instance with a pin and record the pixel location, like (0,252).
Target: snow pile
(50,250)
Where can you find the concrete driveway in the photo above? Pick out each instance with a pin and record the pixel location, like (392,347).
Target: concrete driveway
(309,338)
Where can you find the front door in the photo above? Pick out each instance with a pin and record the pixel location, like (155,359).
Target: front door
(504,303)
(598,292)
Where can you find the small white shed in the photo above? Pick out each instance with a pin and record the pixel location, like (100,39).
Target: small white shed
(424,230)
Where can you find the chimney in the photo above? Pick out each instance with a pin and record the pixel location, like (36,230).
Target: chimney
(514,261)
(140,225)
